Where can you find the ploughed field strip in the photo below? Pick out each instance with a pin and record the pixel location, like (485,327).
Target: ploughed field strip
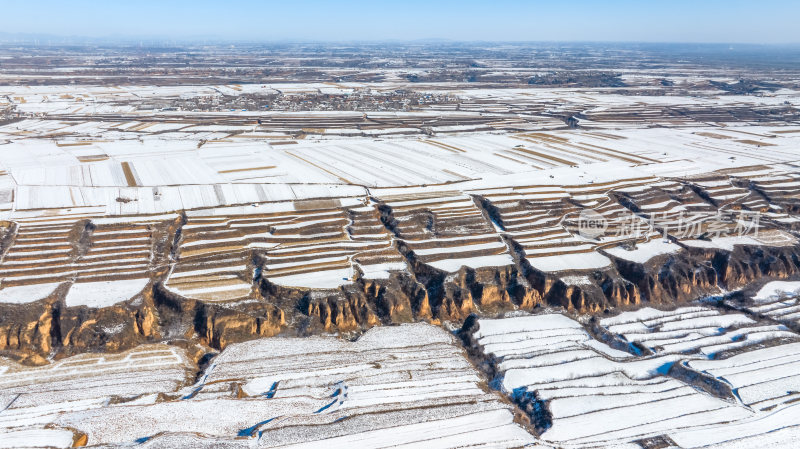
(307,244)
(398,385)
(86,251)
(571,151)
(684,376)
(444,230)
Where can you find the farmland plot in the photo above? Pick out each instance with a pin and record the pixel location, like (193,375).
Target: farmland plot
(755,360)
(42,252)
(544,221)
(33,399)
(693,330)
(394,385)
(445,230)
(596,395)
(320,244)
(106,259)
(776,300)
(583,393)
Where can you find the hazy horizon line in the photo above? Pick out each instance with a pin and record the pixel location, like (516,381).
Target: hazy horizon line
(6,37)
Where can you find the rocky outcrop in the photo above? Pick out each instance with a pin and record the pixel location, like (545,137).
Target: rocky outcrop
(218,326)
(670,279)
(398,299)
(215,324)
(746,264)
(33,331)
(695,272)
(537,409)
(27,331)
(345,309)
(710,384)
(108,329)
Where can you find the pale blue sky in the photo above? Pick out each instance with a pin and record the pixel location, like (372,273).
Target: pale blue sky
(755,21)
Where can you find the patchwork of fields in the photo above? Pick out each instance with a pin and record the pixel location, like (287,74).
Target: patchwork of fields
(465,254)
(682,377)
(407,385)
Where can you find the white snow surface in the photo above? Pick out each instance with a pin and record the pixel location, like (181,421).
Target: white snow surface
(566,262)
(600,396)
(407,384)
(645,251)
(104,293)
(21,294)
(773,289)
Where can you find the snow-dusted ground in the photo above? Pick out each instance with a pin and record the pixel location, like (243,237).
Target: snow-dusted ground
(775,289)
(777,300)
(693,330)
(401,385)
(321,208)
(26,293)
(32,400)
(413,385)
(645,251)
(598,396)
(104,294)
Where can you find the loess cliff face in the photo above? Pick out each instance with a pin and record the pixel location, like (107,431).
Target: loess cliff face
(27,331)
(32,332)
(215,293)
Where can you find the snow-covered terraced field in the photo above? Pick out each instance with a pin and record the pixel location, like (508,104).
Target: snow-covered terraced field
(443,229)
(581,392)
(403,385)
(595,395)
(755,359)
(777,300)
(721,190)
(87,250)
(42,252)
(780,187)
(304,244)
(33,399)
(693,330)
(327,246)
(122,249)
(673,207)
(762,379)
(545,221)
